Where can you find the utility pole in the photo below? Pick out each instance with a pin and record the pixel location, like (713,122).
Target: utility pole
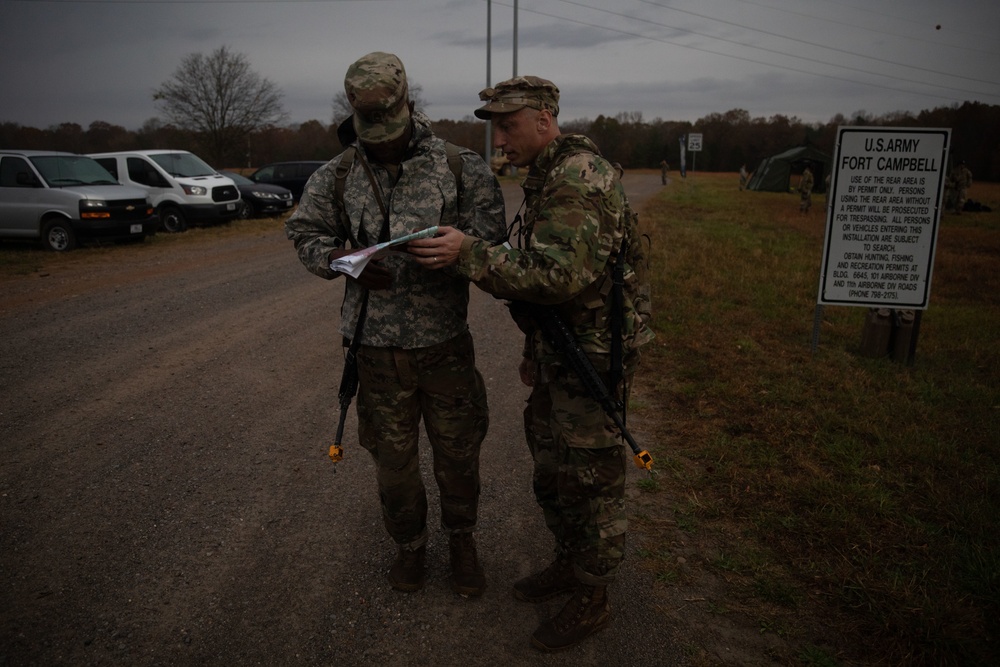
(489,78)
(515,39)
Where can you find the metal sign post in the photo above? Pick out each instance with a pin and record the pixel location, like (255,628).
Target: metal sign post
(694,146)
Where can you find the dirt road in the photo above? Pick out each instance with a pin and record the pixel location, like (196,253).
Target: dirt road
(166,497)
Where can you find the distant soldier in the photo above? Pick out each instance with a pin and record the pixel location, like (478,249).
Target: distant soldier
(949,191)
(805,190)
(743,177)
(962,181)
(664,168)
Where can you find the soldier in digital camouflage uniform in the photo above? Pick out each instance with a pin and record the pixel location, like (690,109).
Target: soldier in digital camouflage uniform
(572,231)
(416,358)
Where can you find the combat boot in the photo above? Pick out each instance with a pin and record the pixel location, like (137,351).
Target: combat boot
(557,578)
(584,614)
(467,576)
(407,573)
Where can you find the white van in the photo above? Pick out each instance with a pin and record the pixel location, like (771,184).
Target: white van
(59,197)
(181,186)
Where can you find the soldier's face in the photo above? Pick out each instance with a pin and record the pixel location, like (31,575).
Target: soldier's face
(519,136)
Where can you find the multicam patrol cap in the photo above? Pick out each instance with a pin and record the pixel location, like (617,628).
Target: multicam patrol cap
(517,93)
(376,88)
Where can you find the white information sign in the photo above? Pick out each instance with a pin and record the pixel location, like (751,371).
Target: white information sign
(884,207)
(694,143)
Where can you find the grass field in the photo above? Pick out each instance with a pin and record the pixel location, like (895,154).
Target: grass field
(845,492)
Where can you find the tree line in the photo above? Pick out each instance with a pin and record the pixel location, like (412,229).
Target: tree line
(730,139)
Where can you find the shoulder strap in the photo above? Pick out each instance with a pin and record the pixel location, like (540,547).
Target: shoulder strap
(343,169)
(455,163)
(339,180)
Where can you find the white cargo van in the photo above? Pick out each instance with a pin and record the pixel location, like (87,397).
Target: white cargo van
(58,198)
(181,186)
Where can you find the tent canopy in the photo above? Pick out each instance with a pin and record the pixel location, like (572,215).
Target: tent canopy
(774,174)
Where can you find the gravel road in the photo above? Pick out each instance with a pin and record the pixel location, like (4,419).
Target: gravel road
(166,497)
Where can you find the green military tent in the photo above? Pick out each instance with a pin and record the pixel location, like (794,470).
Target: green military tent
(774,174)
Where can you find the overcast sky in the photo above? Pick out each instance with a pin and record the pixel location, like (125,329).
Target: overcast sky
(100,60)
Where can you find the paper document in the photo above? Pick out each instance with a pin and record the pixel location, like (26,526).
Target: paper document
(355,263)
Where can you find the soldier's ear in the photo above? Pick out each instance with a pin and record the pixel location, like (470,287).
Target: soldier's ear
(544,121)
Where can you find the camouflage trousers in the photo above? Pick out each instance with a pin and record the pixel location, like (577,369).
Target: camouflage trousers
(440,384)
(579,476)
(805,201)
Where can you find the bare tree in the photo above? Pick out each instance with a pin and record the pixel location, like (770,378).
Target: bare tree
(342,108)
(222,99)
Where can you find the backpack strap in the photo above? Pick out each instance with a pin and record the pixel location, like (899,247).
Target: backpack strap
(454,154)
(339,180)
(343,169)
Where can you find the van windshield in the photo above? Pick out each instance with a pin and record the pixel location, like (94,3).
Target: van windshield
(182,164)
(63,170)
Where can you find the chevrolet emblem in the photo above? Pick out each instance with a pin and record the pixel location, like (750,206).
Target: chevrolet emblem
(130,208)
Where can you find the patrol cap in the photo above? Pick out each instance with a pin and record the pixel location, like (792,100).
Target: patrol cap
(517,93)
(376,89)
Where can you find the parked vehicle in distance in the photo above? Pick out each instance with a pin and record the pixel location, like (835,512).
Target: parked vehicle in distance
(60,198)
(260,199)
(181,186)
(291,175)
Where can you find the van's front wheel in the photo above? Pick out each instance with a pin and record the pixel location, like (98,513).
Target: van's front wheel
(172,219)
(57,235)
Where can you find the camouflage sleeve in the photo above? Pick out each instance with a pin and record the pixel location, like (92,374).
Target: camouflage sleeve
(315,227)
(481,205)
(569,246)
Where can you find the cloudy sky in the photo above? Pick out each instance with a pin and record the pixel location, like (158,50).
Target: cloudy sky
(100,60)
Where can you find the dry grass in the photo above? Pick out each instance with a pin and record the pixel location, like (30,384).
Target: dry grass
(838,491)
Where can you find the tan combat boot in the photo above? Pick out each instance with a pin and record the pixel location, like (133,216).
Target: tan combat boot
(584,614)
(467,576)
(557,578)
(407,573)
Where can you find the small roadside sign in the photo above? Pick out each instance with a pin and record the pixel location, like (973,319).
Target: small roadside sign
(694,143)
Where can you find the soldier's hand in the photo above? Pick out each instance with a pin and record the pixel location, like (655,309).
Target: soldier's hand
(438,251)
(374,277)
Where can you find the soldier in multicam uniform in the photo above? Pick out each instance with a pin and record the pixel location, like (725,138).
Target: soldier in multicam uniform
(573,228)
(416,357)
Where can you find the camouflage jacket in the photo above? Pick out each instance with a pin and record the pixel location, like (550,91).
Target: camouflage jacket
(573,229)
(422,307)
(806,182)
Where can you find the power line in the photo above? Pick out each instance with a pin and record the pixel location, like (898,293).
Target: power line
(747,59)
(876,31)
(807,43)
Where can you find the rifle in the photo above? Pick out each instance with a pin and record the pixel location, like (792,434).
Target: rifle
(348,382)
(565,343)
(349,379)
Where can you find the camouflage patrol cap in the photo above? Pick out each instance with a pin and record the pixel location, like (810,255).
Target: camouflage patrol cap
(517,93)
(376,89)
